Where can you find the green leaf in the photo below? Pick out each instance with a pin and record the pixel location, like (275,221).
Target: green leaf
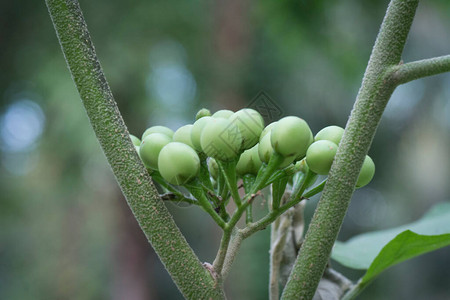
(361,251)
(404,246)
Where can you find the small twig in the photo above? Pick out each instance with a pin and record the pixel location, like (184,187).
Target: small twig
(177,198)
(253,196)
(403,73)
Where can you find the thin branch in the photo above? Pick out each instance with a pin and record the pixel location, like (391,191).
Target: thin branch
(375,91)
(223,250)
(193,280)
(404,73)
(176,198)
(277,245)
(233,248)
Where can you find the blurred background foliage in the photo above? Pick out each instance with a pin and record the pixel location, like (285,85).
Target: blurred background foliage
(65,229)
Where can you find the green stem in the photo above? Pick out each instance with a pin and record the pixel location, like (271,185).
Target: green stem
(355,290)
(300,186)
(317,189)
(228,170)
(248,181)
(278,188)
(266,172)
(197,191)
(376,89)
(193,280)
(223,249)
(404,73)
(176,198)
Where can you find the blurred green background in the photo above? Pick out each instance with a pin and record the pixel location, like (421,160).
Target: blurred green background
(65,229)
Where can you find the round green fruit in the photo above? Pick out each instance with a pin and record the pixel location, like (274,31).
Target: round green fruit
(204,112)
(366,173)
(221,139)
(249,162)
(196,132)
(135,140)
(330,133)
(183,135)
(320,156)
(151,147)
(137,148)
(178,163)
(265,152)
(158,129)
(291,136)
(213,168)
(223,113)
(250,124)
(267,130)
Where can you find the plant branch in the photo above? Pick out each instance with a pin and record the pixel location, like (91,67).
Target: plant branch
(404,73)
(372,98)
(193,280)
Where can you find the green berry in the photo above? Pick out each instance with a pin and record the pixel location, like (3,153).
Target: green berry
(250,124)
(204,112)
(301,155)
(137,148)
(367,172)
(158,129)
(221,139)
(320,156)
(183,135)
(178,163)
(213,168)
(135,140)
(302,166)
(223,113)
(196,132)
(249,162)
(267,129)
(330,133)
(291,136)
(265,152)
(151,147)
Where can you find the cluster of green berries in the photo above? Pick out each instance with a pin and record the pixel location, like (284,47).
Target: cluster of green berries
(240,138)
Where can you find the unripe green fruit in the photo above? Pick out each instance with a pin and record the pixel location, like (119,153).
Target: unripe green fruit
(213,168)
(330,133)
(301,155)
(196,132)
(137,148)
(158,129)
(367,172)
(267,130)
(265,152)
(135,140)
(150,148)
(250,124)
(223,113)
(178,163)
(320,156)
(183,135)
(291,136)
(204,112)
(249,162)
(302,166)
(221,139)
